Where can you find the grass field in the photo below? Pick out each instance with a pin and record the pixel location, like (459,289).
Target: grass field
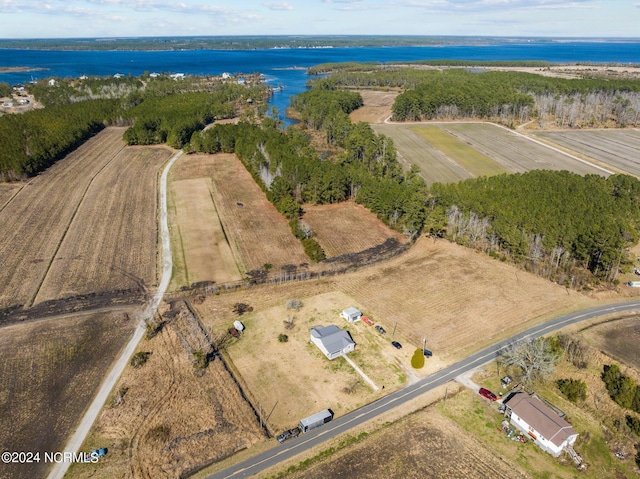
(34,222)
(49,372)
(347,228)
(258,233)
(411,296)
(619,339)
(200,247)
(513,152)
(617,148)
(376,106)
(111,241)
(470,159)
(7,191)
(170,420)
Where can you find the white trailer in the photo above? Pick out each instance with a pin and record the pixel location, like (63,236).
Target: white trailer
(317,420)
(634,284)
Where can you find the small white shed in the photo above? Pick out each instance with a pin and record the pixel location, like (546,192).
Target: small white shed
(351,314)
(238,325)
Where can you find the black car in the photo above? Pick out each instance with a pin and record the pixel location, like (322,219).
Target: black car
(396,344)
(427,353)
(380,329)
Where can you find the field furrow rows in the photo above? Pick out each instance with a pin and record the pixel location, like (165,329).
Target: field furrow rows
(35,219)
(515,153)
(434,166)
(618,148)
(111,243)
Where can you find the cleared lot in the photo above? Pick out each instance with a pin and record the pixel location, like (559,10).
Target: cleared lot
(618,148)
(258,233)
(200,247)
(347,228)
(474,149)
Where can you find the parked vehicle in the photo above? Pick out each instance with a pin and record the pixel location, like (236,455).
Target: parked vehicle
(288,434)
(487,394)
(396,344)
(380,329)
(367,320)
(427,353)
(317,420)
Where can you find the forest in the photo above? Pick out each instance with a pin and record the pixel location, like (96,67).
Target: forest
(510,98)
(555,223)
(291,172)
(158,110)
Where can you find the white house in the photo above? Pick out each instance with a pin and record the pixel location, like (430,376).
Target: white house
(52,82)
(332,340)
(351,314)
(539,422)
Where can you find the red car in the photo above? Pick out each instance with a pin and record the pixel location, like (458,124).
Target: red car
(366,320)
(487,394)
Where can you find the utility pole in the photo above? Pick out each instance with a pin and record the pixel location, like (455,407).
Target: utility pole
(424,344)
(394,329)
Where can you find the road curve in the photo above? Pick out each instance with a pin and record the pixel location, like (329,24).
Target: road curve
(342,424)
(60,468)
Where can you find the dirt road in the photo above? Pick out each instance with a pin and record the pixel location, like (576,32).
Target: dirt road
(96,406)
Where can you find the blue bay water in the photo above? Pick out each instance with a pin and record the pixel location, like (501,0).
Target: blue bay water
(286,66)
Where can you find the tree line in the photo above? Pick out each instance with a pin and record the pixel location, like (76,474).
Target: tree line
(291,172)
(556,223)
(158,110)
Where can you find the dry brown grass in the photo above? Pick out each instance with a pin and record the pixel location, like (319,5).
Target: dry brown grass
(49,373)
(257,232)
(200,247)
(424,444)
(618,339)
(35,220)
(170,420)
(111,241)
(458,299)
(377,106)
(347,228)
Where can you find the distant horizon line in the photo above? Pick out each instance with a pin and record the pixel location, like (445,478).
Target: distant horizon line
(324,36)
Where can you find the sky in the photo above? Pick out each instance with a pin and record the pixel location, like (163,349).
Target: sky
(141,18)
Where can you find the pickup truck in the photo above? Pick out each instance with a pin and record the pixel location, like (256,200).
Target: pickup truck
(288,434)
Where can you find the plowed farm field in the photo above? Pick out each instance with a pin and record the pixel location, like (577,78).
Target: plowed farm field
(49,373)
(86,224)
(619,149)
(111,241)
(347,228)
(258,234)
(448,152)
(35,220)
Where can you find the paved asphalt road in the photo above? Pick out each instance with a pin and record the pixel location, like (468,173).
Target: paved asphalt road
(342,424)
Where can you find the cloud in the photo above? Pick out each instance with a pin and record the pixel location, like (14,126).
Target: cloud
(341,1)
(278,6)
(455,6)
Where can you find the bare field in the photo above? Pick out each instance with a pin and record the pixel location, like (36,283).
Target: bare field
(474,149)
(459,299)
(424,444)
(377,106)
(434,165)
(111,242)
(514,152)
(49,373)
(170,420)
(199,242)
(347,228)
(619,339)
(7,191)
(35,220)
(618,148)
(258,233)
